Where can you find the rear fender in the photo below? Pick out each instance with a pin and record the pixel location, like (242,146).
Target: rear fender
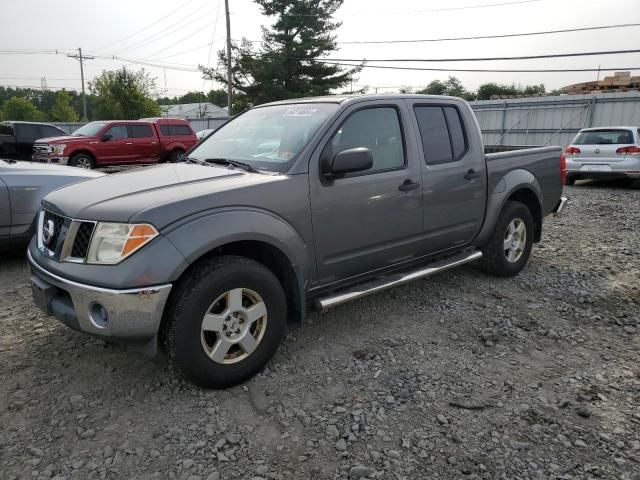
(508,185)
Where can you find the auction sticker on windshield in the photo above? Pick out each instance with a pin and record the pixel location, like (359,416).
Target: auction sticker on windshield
(300,112)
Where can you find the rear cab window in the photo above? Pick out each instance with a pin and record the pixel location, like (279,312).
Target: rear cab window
(442,133)
(609,136)
(175,130)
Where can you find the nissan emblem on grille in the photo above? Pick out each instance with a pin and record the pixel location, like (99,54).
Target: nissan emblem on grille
(47,232)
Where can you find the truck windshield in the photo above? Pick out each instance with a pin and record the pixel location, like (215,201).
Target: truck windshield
(267,138)
(90,129)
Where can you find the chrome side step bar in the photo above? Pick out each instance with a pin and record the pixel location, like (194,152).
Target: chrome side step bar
(359,291)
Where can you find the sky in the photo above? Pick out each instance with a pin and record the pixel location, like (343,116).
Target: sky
(187,33)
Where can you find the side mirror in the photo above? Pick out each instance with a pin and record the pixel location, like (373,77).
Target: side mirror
(348,161)
(106,137)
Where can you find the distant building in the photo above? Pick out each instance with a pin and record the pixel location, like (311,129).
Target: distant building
(619,82)
(193,110)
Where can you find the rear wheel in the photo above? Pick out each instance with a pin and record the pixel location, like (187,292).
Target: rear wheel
(225,321)
(571,181)
(508,249)
(82,160)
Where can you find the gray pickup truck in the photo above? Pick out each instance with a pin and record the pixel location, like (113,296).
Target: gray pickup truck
(294,205)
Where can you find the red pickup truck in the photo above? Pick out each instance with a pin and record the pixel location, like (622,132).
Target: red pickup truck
(118,142)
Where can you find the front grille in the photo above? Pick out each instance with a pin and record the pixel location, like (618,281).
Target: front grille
(82,240)
(41,148)
(57,222)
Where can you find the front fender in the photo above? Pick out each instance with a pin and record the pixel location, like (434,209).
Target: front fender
(196,236)
(510,183)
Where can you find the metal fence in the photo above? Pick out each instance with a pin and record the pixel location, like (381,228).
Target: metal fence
(553,120)
(196,123)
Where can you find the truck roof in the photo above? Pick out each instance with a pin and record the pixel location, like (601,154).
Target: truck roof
(352,97)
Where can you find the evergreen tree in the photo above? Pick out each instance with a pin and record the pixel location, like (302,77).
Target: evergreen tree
(285,65)
(62,110)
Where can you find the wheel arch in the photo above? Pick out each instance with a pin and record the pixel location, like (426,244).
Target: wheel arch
(518,185)
(272,242)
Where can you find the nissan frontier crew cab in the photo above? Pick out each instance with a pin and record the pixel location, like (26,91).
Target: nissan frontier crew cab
(291,205)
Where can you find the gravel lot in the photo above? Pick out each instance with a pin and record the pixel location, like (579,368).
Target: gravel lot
(458,376)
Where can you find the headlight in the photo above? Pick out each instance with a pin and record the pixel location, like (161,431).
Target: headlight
(113,242)
(59,149)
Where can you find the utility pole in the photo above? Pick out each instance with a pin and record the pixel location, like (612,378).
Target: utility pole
(80,58)
(229,75)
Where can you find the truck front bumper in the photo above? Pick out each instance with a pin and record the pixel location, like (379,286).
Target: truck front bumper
(130,316)
(42,158)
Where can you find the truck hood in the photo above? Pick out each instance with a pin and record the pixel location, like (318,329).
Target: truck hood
(159,195)
(48,169)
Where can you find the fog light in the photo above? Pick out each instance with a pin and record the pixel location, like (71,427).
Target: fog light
(98,315)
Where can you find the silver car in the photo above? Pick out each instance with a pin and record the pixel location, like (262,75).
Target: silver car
(604,152)
(22,187)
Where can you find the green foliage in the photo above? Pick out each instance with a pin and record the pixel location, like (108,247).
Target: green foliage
(123,94)
(283,66)
(452,86)
(62,110)
(488,90)
(20,108)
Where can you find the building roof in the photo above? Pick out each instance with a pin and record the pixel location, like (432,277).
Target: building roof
(194,110)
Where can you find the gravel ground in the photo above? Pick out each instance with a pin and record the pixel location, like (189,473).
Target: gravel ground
(458,376)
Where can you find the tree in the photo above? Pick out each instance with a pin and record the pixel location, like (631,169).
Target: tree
(193,97)
(62,110)
(488,90)
(217,97)
(452,86)
(286,64)
(123,94)
(20,108)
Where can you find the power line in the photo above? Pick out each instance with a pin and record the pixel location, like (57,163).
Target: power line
(480,70)
(483,37)
(182,5)
(482,59)
(186,37)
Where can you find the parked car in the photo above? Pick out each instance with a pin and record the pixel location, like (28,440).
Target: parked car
(121,142)
(362,193)
(22,187)
(604,152)
(202,134)
(16,138)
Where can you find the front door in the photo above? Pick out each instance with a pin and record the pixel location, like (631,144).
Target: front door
(115,146)
(453,177)
(372,219)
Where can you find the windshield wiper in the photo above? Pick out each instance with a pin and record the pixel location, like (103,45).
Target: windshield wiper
(235,163)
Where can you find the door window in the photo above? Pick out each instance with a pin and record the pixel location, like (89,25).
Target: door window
(117,132)
(28,132)
(6,129)
(140,131)
(377,129)
(49,131)
(442,134)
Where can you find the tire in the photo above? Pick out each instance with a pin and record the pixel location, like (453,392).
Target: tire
(82,160)
(175,155)
(196,345)
(502,262)
(570,181)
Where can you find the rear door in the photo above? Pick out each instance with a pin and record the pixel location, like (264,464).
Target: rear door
(372,219)
(145,143)
(453,175)
(115,146)
(26,135)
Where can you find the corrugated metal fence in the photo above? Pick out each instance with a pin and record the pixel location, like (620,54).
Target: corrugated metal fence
(196,123)
(553,120)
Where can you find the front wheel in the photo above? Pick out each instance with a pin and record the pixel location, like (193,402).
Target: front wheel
(82,160)
(507,250)
(225,321)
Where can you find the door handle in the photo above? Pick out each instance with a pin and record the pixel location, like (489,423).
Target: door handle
(471,174)
(408,185)
(129,143)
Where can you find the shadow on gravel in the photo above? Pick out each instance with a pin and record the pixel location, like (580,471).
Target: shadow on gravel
(620,183)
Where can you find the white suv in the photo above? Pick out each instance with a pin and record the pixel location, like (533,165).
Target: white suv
(604,152)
